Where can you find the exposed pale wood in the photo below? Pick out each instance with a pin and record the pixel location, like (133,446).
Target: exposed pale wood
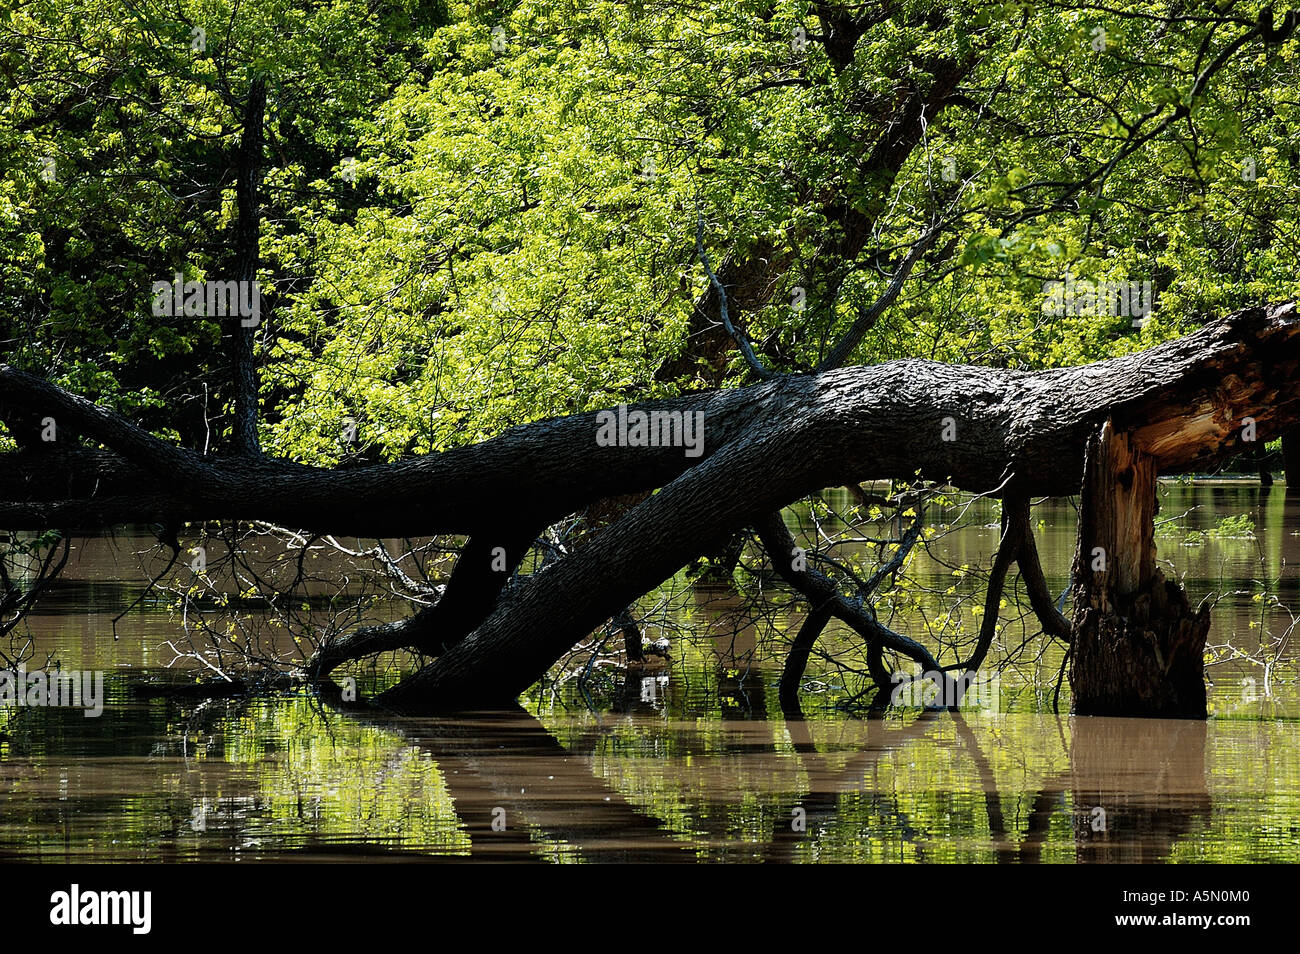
(1117,516)
(1137,644)
(1180,405)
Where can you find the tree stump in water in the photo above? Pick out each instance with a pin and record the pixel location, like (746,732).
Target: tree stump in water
(1138,647)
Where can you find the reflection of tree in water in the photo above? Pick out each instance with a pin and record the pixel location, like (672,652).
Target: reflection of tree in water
(518,790)
(733,639)
(504,786)
(1245,666)
(819,806)
(730,679)
(1147,777)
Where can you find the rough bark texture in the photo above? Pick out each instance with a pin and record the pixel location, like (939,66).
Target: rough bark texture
(1181,402)
(1138,646)
(1013,433)
(1016,432)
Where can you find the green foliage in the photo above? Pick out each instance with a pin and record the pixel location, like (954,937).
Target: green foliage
(1239,526)
(478,215)
(1234,526)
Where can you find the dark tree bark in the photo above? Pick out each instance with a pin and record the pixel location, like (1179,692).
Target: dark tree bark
(248,175)
(1291,456)
(796,661)
(627,627)
(1179,405)
(1138,646)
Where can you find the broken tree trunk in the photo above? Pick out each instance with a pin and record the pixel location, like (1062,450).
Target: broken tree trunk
(994,430)
(1137,644)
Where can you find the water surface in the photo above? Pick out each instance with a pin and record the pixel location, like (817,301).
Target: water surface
(691,759)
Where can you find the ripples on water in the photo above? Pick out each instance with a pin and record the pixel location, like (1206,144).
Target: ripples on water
(699,764)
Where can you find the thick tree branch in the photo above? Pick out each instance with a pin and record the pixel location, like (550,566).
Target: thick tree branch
(1014,511)
(1050,618)
(1014,432)
(485,565)
(796,660)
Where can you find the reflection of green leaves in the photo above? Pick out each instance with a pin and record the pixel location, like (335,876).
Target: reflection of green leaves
(1239,526)
(360,782)
(1234,526)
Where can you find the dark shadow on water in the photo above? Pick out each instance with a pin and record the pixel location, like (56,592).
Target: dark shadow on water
(1138,786)
(517,790)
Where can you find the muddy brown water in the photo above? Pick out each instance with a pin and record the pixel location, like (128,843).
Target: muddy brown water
(691,760)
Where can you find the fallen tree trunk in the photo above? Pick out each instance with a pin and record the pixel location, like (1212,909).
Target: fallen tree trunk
(1181,404)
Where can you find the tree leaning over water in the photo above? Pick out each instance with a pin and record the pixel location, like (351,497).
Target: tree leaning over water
(1013,434)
